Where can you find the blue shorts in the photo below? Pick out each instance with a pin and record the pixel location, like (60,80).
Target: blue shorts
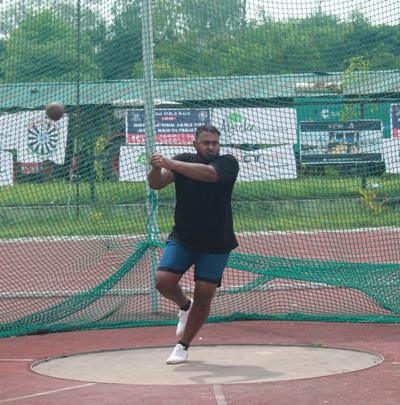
(179,259)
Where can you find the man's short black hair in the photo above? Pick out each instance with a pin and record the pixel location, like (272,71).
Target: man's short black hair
(207,128)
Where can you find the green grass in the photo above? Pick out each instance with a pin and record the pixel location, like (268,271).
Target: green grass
(58,209)
(126,193)
(312,187)
(64,193)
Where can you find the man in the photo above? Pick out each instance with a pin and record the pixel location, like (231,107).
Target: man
(203,233)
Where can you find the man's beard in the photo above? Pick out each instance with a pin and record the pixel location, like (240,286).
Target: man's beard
(207,159)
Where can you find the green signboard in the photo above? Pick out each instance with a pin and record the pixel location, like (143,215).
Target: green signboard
(332,131)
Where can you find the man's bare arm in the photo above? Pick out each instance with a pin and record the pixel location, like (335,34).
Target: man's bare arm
(159,177)
(196,171)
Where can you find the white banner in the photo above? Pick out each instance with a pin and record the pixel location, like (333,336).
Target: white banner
(265,126)
(133,160)
(391,155)
(35,137)
(6,169)
(274,163)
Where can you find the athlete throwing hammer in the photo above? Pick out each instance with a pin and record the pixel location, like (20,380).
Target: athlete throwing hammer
(203,233)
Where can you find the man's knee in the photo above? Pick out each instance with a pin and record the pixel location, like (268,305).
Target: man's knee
(165,281)
(204,293)
(160,282)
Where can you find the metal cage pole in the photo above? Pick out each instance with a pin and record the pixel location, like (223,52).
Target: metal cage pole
(149,111)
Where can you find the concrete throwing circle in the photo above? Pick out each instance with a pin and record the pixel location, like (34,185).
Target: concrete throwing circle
(222,364)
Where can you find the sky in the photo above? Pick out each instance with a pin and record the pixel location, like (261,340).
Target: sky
(376,11)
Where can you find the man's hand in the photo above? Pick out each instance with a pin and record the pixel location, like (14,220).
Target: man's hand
(155,160)
(161,162)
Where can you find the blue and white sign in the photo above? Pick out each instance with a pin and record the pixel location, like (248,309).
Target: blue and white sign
(173,126)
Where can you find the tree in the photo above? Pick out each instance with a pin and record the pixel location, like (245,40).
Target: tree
(192,38)
(43,48)
(15,11)
(122,47)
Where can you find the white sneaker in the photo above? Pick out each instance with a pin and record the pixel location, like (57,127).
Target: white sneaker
(179,355)
(183,316)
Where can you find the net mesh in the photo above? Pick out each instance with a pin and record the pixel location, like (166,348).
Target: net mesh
(307,97)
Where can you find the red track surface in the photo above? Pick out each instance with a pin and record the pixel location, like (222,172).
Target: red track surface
(378,385)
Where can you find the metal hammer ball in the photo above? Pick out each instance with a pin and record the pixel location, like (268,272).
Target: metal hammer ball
(55,110)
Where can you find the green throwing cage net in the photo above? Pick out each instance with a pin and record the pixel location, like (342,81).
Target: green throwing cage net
(307,97)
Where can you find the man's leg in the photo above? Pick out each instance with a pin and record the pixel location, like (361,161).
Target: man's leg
(203,295)
(168,285)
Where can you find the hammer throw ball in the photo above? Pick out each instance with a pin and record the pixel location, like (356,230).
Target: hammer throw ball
(55,110)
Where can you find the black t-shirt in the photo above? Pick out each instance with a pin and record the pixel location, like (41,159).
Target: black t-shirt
(203,212)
